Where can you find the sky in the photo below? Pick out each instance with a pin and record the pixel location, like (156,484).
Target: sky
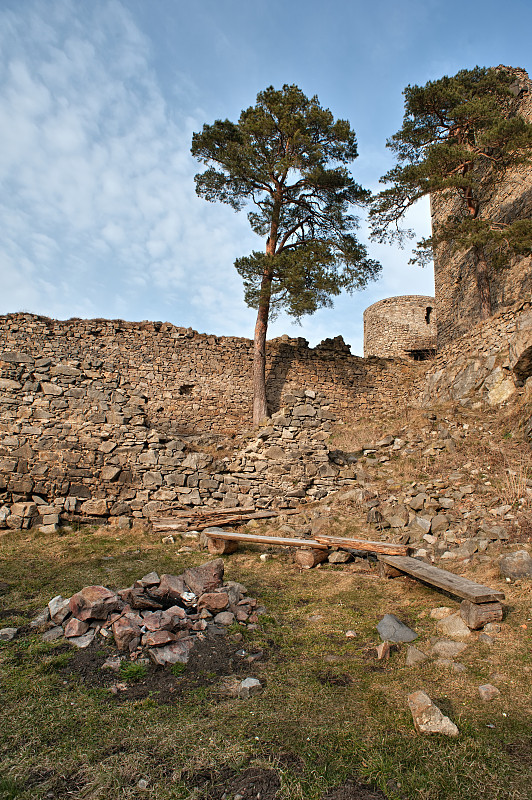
(98,103)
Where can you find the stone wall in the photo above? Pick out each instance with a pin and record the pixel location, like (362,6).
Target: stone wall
(457,301)
(105,418)
(488,364)
(400,327)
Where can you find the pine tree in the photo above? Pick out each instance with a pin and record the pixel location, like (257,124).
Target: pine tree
(288,157)
(460,137)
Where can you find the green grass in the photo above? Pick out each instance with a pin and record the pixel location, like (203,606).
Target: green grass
(132,672)
(327,702)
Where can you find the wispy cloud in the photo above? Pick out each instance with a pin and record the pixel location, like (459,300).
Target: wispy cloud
(98,197)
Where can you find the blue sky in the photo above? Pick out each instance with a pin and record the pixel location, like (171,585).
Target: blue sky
(98,103)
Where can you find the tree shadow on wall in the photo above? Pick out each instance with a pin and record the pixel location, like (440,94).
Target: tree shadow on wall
(276,378)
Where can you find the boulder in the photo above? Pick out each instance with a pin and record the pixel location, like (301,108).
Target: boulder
(488,692)
(158,638)
(414,656)
(75,627)
(59,609)
(248,687)
(444,648)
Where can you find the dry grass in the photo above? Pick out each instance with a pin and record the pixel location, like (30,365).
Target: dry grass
(329,706)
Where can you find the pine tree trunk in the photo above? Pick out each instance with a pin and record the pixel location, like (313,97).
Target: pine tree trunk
(260,405)
(483,284)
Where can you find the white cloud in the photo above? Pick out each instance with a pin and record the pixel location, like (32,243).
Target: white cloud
(98,172)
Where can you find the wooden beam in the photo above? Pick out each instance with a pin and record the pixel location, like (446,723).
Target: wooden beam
(387,548)
(258,539)
(441,579)
(306,559)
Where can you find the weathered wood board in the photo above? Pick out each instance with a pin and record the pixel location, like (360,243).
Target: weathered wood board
(387,548)
(441,579)
(318,543)
(259,539)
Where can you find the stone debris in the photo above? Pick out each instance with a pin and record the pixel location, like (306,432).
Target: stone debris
(427,717)
(441,612)
(391,629)
(160,617)
(444,648)
(415,656)
(516,565)
(8,634)
(488,692)
(453,627)
(248,687)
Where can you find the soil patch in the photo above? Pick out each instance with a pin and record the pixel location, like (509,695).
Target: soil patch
(254,783)
(353,790)
(211,658)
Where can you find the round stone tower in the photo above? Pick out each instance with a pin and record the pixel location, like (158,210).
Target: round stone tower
(400,327)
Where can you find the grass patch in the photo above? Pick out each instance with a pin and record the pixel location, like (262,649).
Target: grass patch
(131,672)
(328,711)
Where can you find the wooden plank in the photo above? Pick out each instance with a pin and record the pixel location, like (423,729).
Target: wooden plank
(388,548)
(205,521)
(258,539)
(441,579)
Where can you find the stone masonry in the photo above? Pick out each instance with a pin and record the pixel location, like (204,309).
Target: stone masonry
(488,364)
(114,420)
(400,327)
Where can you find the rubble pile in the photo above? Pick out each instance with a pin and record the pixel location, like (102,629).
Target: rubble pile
(457,516)
(158,617)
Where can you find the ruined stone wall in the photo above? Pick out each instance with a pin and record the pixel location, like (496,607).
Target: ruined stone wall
(457,301)
(98,417)
(488,364)
(400,327)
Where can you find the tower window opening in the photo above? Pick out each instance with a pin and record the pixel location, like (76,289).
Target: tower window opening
(427,314)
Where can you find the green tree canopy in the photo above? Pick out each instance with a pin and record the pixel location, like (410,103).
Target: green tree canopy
(289,158)
(460,136)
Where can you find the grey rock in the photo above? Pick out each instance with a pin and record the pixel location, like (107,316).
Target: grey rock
(454,628)
(224,618)
(53,634)
(440,523)
(41,619)
(339,557)
(414,656)
(249,687)
(391,629)
(417,502)
(83,641)
(174,653)
(7,634)
(447,649)
(456,666)
(517,565)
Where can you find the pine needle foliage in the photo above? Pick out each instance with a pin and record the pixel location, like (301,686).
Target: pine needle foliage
(460,137)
